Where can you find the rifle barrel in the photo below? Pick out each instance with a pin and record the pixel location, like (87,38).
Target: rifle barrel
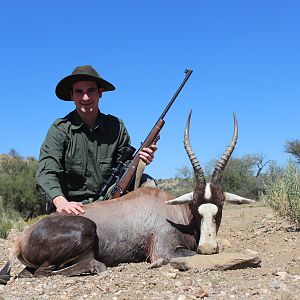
(122,185)
(188,74)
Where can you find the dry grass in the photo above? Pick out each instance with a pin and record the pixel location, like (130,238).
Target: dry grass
(283,191)
(9,219)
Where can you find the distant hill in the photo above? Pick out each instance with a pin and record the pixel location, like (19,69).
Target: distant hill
(175,186)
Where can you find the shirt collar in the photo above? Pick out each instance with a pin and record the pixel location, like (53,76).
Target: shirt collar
(77,122)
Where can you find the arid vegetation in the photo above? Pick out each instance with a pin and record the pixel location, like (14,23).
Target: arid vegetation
(8,219)
(283,191)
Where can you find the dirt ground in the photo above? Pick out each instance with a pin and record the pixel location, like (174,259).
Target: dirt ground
(252,229)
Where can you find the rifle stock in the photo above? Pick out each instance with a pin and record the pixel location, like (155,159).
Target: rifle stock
(126,179)
(122,185)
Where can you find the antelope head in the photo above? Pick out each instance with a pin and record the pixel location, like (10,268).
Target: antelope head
(207,197)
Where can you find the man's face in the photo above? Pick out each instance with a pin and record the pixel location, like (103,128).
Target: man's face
(86,96)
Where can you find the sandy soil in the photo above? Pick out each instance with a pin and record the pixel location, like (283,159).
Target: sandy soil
(251,229)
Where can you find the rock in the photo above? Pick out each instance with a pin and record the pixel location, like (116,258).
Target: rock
(171,275)
(281,274)
(178,283)
(296,277)
(225,243)
(269,216)
(201,293)
(251,252)
(105,273)
(221,261)
(276,285)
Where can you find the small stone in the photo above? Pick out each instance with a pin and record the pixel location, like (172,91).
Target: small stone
(171,275)
(258,232)
(276,272)
(296,277)
(225,243)
(253,293)
(282,274)
(181,297)
(274,285)
(252,252)
(178,284)
(189,282)
(201,293)
(104,273)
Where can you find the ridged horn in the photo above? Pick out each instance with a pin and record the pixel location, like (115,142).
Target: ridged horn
(199,174)
(220,167)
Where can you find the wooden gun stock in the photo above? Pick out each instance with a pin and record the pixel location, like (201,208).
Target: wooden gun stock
(126,179)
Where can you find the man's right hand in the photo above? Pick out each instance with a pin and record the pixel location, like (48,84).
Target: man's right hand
(63,205)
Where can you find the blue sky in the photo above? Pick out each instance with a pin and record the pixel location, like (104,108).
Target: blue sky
(244,56)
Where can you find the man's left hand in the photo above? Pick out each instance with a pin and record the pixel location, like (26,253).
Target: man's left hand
(147,154)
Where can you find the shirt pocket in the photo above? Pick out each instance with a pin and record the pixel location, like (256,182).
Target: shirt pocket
(74,173)
(105,166)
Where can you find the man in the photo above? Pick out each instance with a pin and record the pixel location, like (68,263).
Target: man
(81,149)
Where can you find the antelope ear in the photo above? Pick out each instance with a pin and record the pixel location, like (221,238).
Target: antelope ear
(233,198)
(184,199)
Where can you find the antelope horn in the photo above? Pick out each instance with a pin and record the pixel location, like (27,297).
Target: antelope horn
(233,198)
(184,199)
(199,174)
(220,167)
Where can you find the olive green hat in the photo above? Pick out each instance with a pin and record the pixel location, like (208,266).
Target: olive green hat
(81,73)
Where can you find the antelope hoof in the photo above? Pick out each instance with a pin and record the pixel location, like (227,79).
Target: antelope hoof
(157,263)
(4,279)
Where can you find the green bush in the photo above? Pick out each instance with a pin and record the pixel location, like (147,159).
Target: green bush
(239,178)
(282,188)
(17,186)
(9,219)
(5,226)
(242,176)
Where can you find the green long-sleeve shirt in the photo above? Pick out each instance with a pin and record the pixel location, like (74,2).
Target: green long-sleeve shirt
(76,162)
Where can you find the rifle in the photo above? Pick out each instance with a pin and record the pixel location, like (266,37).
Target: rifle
(123,183)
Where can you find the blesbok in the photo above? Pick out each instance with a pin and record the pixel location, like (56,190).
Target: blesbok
(134,228)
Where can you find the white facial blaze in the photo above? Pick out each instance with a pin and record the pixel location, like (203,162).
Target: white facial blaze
(207,194)
(208,236)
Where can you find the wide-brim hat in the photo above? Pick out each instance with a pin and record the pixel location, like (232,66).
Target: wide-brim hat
(81,73)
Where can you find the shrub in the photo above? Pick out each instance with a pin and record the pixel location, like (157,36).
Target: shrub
(5,226)
(282,187)
(17,186)
(242,176)
(9,219)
